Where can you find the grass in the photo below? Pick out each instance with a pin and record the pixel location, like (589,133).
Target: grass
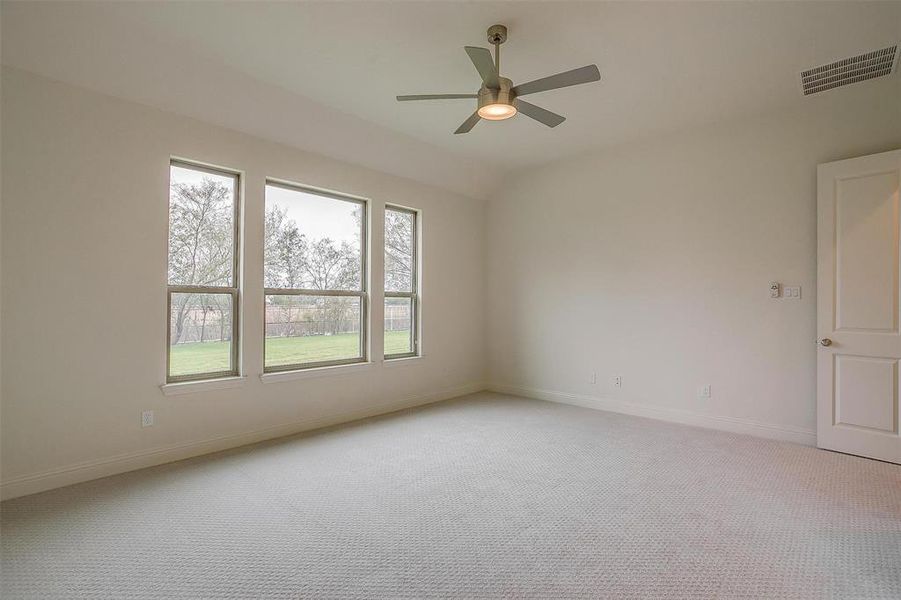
(209,357)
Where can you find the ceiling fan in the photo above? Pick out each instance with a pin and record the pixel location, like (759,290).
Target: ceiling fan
(498,98)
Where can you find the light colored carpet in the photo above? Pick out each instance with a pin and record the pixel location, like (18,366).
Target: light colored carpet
(485,497)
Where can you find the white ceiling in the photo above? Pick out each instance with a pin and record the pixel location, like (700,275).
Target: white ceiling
(323,76)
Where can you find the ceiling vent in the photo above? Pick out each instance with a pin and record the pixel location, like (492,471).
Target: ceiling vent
(877,63)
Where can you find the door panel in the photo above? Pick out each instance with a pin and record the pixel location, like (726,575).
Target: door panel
(866,274)
(866,392)
(858,309)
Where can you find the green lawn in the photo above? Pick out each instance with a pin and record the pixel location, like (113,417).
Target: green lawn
(208,357)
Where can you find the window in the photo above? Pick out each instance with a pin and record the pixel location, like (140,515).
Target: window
(401,283)
(203,273)
(314,277)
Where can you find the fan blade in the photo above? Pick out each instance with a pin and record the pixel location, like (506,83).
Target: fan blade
(469,123)
(539,114)
(560,80)
(436,97)
(484,64)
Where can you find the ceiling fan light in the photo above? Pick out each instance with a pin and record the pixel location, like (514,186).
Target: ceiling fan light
(497,112)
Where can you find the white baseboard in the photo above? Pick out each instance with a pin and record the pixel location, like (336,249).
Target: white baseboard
(86,471)
(783,433)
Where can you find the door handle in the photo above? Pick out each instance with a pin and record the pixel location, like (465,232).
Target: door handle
(825,342)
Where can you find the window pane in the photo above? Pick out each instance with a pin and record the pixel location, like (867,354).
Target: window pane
(312,329)
(312,242)
(200,334)
(398,326)
(399,244)
(201,227)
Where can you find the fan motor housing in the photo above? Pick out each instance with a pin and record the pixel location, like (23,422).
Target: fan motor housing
(504,95)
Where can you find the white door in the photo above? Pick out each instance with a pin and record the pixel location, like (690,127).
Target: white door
(859,342)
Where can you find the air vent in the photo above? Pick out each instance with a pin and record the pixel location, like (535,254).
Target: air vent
(850,70)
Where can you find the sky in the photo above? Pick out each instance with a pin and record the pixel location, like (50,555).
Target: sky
(316,216)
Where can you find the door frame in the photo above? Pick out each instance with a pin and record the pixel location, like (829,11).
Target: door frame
(872,444)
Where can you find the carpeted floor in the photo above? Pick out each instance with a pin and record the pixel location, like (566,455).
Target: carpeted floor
(488,496)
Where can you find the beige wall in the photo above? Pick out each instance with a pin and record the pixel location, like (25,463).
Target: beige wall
(84,217)
(653,262)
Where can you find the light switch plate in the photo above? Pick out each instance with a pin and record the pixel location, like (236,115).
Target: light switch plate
(793,292)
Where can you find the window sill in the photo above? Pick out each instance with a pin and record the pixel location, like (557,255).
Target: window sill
(280,376)
(406,361)
(191,387)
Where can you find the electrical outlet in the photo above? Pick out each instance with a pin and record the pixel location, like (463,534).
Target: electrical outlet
(593,379)
(704,391)
(147,418)
(775,289)
(618,381)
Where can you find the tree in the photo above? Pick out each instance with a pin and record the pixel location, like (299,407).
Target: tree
(398,250)
(291,257)
(292,260)
(273,229)
(332,268)
(201,234)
